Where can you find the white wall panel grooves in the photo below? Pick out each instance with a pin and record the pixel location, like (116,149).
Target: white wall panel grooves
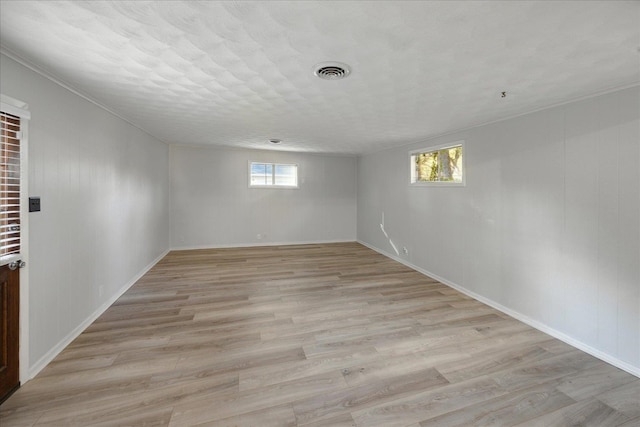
(212,205)
(546,229)
(104,186)
(517,315)
(54,351)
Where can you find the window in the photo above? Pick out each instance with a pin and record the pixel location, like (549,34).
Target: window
(273,175)
(442,165)
(9,184)
(14,117)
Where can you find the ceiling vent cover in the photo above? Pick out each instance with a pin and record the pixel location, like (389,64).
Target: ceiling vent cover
(332,70)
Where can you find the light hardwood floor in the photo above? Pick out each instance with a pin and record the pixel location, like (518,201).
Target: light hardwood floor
(314,335)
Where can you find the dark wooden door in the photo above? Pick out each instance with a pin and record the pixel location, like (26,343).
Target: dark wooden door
(9,330)
(10,220)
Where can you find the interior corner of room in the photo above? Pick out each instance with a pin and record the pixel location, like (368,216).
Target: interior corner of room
(541,223)
(545,228)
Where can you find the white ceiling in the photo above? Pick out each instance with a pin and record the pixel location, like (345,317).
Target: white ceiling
(239,73)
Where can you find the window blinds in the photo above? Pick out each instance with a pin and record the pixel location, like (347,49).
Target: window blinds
(9,184)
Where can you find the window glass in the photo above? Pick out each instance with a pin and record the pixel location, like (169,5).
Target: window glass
(286,175)
(440,165)
(273,175)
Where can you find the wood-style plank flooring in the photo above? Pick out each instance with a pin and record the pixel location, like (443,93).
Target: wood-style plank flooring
(314,335)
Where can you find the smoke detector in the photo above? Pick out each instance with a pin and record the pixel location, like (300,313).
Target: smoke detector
(331,70)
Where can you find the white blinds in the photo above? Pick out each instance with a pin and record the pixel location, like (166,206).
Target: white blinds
(9,184)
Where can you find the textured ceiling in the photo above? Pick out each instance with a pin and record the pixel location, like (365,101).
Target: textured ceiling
(239,73)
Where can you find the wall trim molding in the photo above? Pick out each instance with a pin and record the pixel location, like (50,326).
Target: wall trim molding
(255,245)
(427,139)
(57,349)
(634,370)
(60,82)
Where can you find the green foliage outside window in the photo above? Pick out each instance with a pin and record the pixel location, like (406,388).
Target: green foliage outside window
(443,165)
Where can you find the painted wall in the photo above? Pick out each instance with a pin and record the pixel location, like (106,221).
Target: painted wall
(104,188)
(213,206)
(547,227)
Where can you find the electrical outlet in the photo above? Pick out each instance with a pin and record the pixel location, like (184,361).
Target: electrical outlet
(259,236)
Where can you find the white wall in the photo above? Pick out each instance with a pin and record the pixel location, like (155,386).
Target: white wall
(547,227)
(212,205)
(105,208)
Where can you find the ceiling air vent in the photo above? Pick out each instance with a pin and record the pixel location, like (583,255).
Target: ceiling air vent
(332,70)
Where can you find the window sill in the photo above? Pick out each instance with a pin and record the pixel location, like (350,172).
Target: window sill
(279,187)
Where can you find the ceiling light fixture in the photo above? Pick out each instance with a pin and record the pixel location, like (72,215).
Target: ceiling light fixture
(331,70)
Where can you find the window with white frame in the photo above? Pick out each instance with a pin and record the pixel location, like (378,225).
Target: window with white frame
(440,165)
(273,175)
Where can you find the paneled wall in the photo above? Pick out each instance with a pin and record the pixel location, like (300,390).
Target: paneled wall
(104,189)
(213,206)
(547,227)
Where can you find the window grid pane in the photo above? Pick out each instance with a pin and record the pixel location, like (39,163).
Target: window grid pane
(273,175)
(285,175)
(441,165)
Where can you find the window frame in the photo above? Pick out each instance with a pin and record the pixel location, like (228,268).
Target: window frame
(273,186)
(431,149)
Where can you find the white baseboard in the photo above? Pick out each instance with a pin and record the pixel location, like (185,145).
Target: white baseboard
(634,370)
(258,244)
(51,354)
